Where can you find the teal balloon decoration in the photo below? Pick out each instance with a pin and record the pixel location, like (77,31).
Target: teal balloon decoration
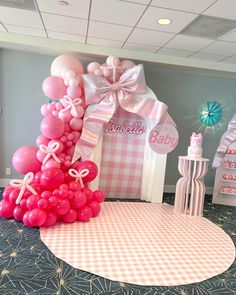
(210,114)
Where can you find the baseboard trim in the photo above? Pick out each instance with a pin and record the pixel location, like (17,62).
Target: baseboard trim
(167,188)
(171,189)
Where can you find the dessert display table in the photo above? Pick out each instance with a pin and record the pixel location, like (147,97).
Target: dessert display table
(190,189)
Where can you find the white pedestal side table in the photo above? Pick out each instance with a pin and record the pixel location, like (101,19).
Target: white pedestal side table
(190,189)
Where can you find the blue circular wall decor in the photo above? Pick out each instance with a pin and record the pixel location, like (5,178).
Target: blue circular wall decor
(210,114)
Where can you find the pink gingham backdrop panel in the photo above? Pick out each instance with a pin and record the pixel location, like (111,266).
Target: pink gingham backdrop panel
(144,244)
(122,159)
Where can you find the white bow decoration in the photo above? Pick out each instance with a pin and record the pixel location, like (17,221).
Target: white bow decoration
(72,103)
(79,175)
(50,151)
(23,185)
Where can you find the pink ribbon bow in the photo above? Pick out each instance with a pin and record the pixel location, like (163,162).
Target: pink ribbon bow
(50,151)
(23,184)
(107,98)
(79,175)
(72,103)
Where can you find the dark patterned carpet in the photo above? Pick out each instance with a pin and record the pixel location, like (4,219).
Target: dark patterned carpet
(28,267)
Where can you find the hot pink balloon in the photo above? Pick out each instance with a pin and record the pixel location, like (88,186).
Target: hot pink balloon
(70,216)
(42,140)
(65,116)
(76,124)
(54,87)
(93,170)
(52,164)
(84,214)
(18,213)
(52,127)
(95,207)
(52,178)
(6,209)
(64,63)
(24,160)
(37,217)
(50,220)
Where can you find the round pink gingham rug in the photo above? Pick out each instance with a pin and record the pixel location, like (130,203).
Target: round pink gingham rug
(144,244)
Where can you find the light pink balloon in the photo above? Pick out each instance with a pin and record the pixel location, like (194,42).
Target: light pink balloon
(44,110)
(58,106)
(112,61)
(74,92)
(64,63)
(92,67)
(54,87)
(76,124)
(65,116)
(52,127)
(24,160)
(126,64)
(42,140)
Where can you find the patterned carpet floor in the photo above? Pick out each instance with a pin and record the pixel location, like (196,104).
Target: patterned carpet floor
(28,267)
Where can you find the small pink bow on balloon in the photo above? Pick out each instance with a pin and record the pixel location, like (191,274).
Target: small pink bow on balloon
(23,185)
(50,151)
(72,103)
(106,97)
(79,175)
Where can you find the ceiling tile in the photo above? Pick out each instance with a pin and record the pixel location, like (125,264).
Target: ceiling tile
(223,8)
(221,48)
(231,60)
(64,36)
(103,42)
(26,31)
(108,31)
(185,5)
(230,37)
(179,19)
(174,52)
(140,47)
(182,42)
(149,37)
(76,8)
(116,12)
(205,56)
(64,24)
(137,1)
(27,18)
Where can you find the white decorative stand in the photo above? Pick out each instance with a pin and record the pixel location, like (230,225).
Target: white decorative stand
(190,189)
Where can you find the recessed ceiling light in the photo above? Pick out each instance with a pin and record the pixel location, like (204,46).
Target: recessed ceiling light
(63,3)
(164,21)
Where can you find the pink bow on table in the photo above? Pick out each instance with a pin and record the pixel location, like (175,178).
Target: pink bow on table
(107,97)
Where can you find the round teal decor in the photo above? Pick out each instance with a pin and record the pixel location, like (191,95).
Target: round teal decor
(210,113)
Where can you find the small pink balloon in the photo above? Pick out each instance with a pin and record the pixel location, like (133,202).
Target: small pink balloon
(26,219)
(69,143)
(113,61)
(50,220)
(58,106)
(42,140)
(93,170)
(95,207)
(6,209)
(52,164)
(32,201)
(74,92)
(52,178)
(63,207)
(79,200)
(44,110)
(52,127)
(65,116)
(24,160)
(76,124)
(70,151)
(61,147)
(78,113)
(50,107)
(54,87)
(70,216)
(92,67)
(40,155)
(84,214)
(55,113)
(18,213)
(37,217)
(37,176)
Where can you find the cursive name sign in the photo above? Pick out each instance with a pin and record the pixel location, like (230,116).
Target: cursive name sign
(126,127)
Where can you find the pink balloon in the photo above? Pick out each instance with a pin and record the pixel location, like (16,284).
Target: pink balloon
(52,127)
(18,213)
(52,178)
(70,216)
(42,140)
(52,164)
(50,220)
(93,170)
(37,217)
(32,202)
(42,203)
(54,87)
(95,207)
(8,189)
(24,160)
(98,196)
(14,195)
(76,124)
(92,67)
(126,64)
(84,214)
(74,92)
(26,219)
(64,63)
(40,156)
(6,209)
(63,207)
(113,61)
(65,116)
(79,200)
(44,110)
(37,176)
(60,147)
(78,113)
